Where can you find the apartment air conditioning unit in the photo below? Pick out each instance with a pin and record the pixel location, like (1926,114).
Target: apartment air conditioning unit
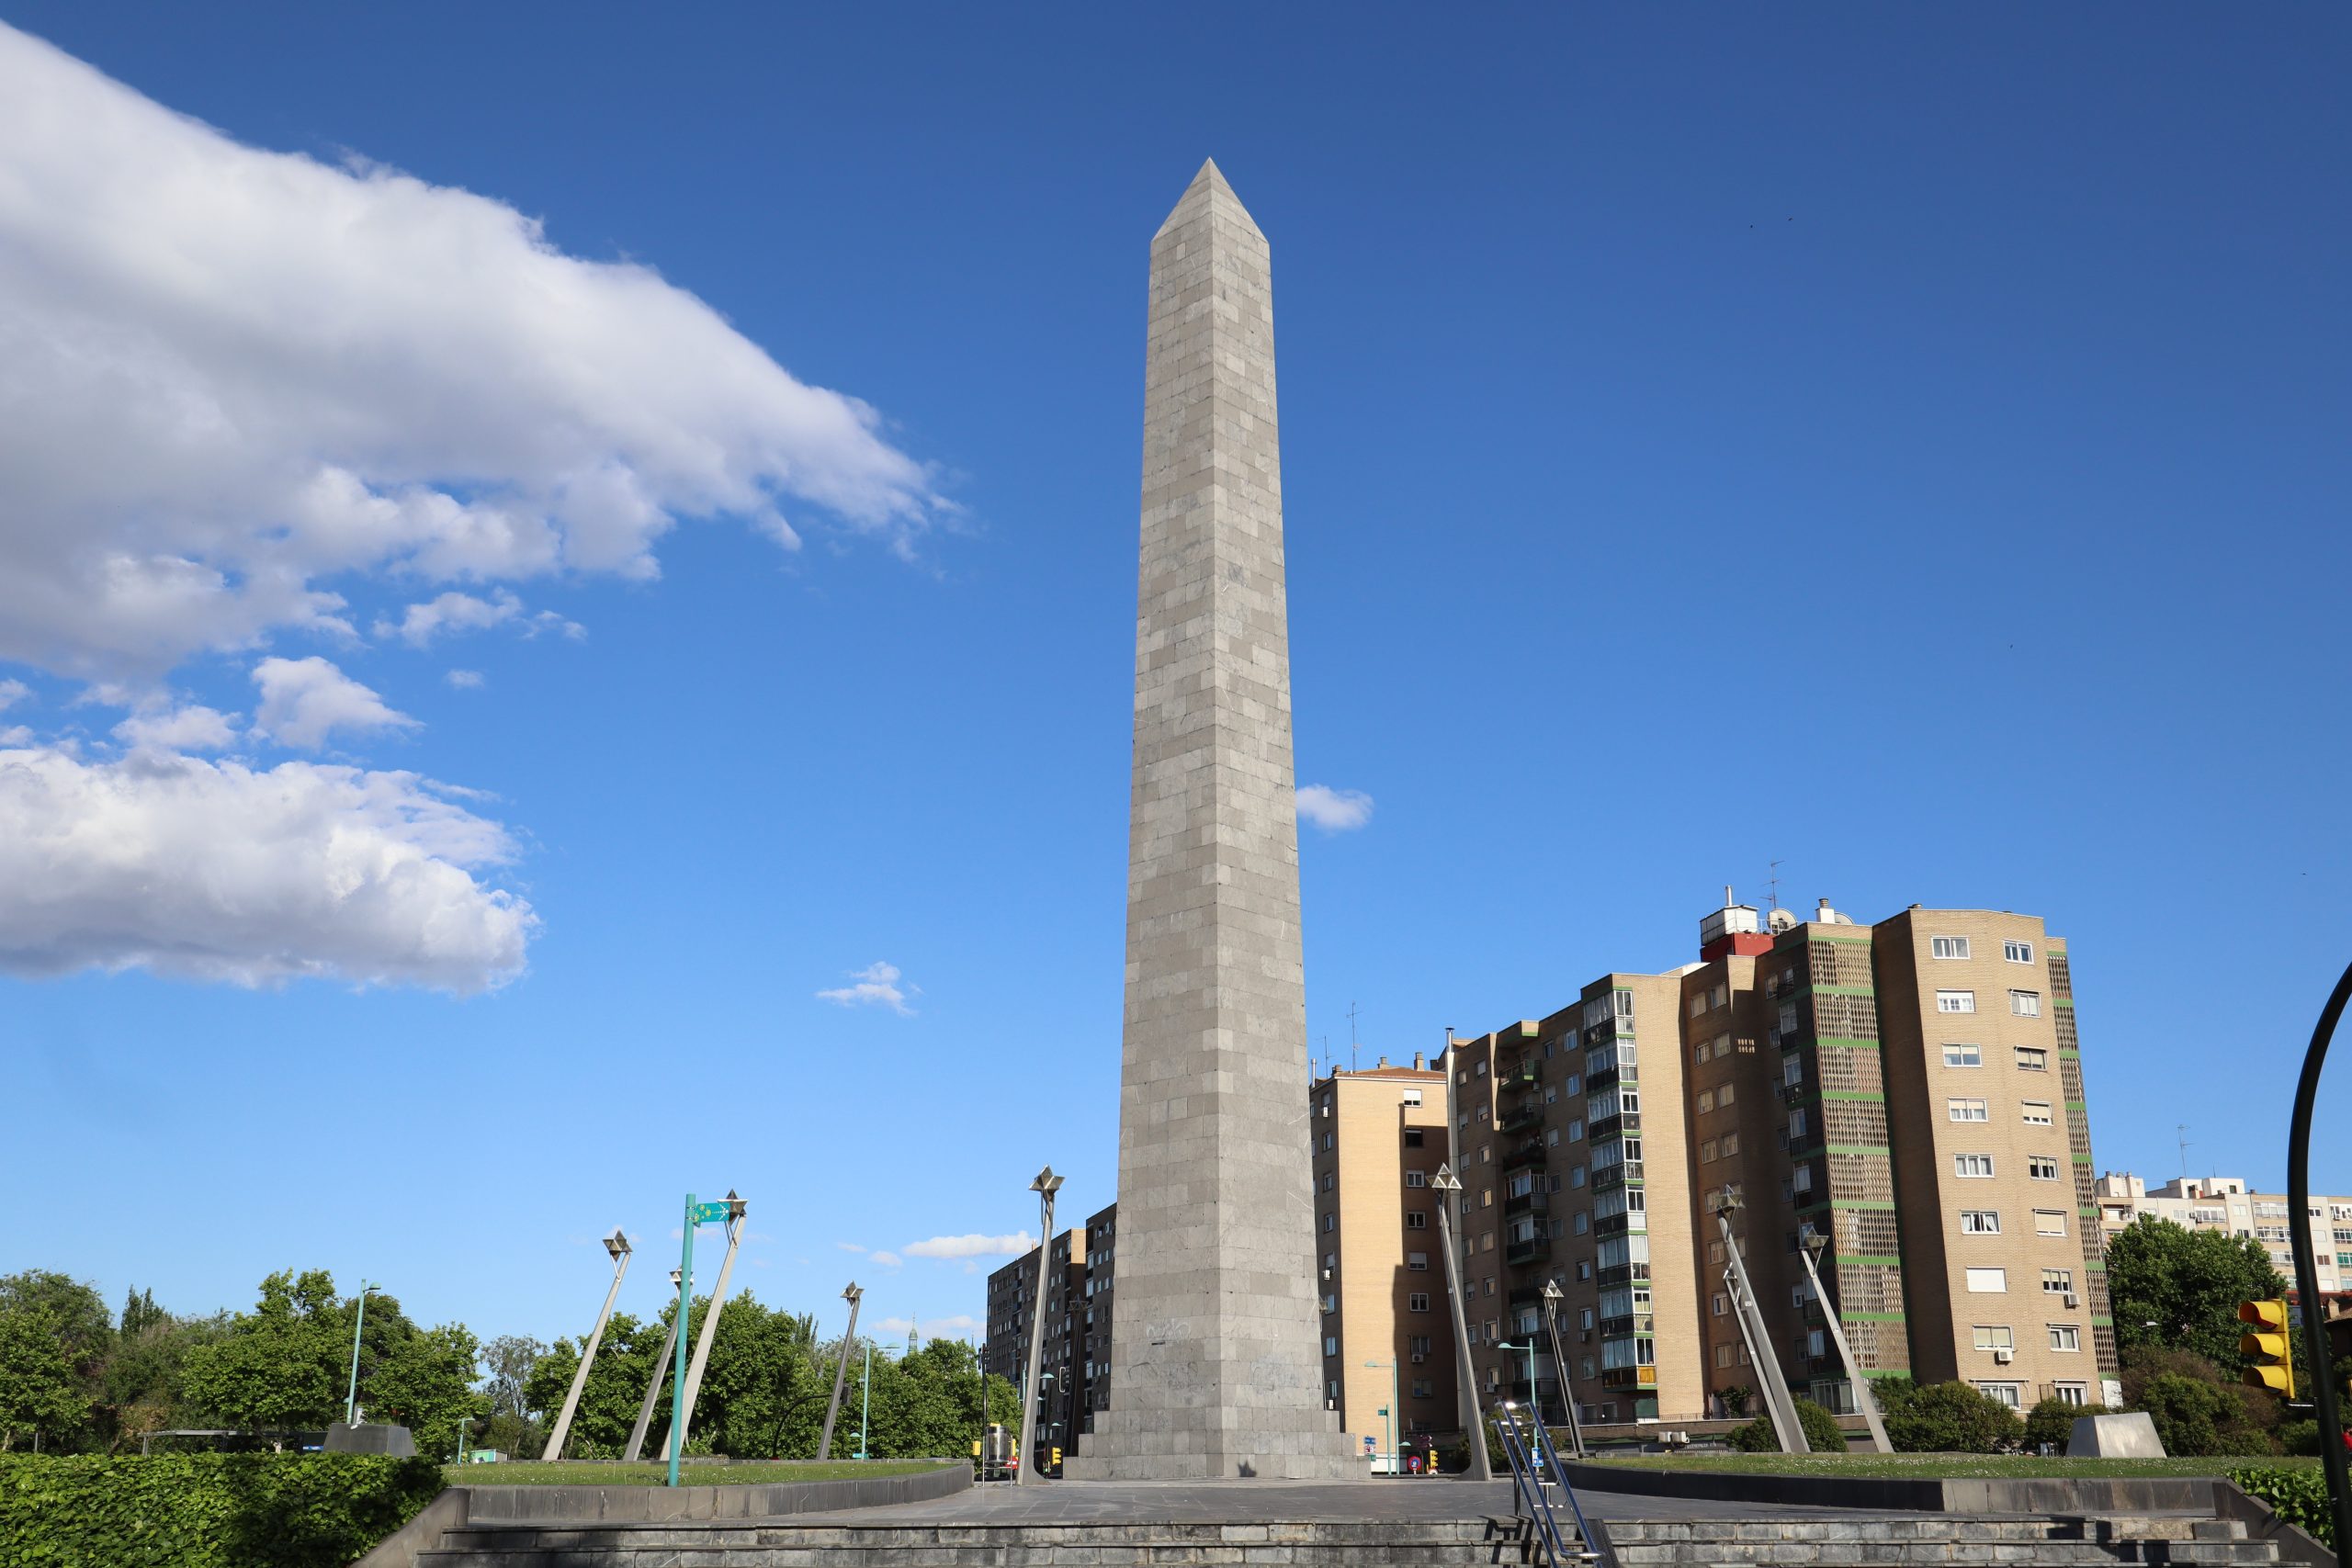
(2073,1300)
(2005,1356)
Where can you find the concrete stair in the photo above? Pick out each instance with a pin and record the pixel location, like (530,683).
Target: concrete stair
(1371,1543)
(1848,1542)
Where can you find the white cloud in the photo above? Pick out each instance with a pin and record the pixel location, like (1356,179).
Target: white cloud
(455,611)
(849,1246)
(465,680)
(972,1246)
(192,728)
(877,985)
(305,700)
(1334,810)
(962,1325)
(230,376)
(214,871)
(17,735)
(12,692)
(887,1259)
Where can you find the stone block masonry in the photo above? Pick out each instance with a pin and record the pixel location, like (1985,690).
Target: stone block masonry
(1217,1370)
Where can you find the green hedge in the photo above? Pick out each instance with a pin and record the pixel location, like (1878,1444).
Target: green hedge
(2300,1496)
(204,1510)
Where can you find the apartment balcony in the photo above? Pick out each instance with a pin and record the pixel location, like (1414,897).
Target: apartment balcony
(1537,1249)
(1608,1177)
(1528,1204)
(1627,1326)
(1595,1082)
(1527,1072)
(1616,1225)
(1615,1126)
(1620,1274)
(1527,1115)
(1628,1377)
(1527,1154)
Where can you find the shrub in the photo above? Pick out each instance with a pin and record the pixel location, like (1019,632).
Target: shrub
(1822,1432)
(2300,1438)
(2299,1495)
(2052,1422)
(1946,1417)
(2197,1418)
(206,1510)
(1734,1398)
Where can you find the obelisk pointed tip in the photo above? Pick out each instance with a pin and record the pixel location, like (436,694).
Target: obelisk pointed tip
(1209,184)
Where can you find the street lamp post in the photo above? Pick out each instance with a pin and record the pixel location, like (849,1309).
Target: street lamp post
(840,1372)
(865,1397)
(351,1394)
(1395,1387)
(1810,1242)
(697,1215)
(1466,1378)
(617,1247)
(653,1387)
(736,1208)
(1778,1404)
(1023,1474)
(1534,1408)
(2299,1216)
(1560,1363)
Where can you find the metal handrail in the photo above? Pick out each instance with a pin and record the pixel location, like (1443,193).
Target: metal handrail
(1531,1501)
(1551,1456)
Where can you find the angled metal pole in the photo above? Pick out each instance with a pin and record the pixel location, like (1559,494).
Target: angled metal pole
(717,1296)
(1024,1475)
(1465,1377)
(840,1373)
(1862,1395)
(2298,1198)
(653,1387)
(617,1244)
(1560,1362)
(1777,1402)
(351,1396)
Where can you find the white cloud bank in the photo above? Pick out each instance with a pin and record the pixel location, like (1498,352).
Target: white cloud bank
(227,375)
(215,871)
(303,701)
(972,1246)
(877,985)
(1334,810)
(962,1325)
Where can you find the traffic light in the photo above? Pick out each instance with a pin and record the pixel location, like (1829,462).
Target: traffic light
(1058,1460)
(2266,1343)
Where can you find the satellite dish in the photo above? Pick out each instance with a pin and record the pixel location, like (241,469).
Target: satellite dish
(1779,920)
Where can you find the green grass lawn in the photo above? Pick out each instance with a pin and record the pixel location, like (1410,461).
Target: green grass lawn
(529,1472)
(1932,1466)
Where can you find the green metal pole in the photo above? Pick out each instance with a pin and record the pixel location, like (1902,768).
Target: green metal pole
(1396,1397)
(685,1301)
(351,1394)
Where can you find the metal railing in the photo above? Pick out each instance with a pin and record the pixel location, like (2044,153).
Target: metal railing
(1533,1459)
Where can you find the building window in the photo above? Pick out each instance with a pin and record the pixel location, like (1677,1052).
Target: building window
(1698,1005)
(2032,1059)
(1327,1142)
(1330,1305)
(1418,1346)
(2041,1168)
(1706,1099)
(1413,1137)
(1418,1262)
(1418,1302)
(2026,1004)
(1955,1002)
(1331,1346)
(1948,946)
(2008,1393)
(1971,1165)
(1726,1094)
(1980,1221)
(1723,1304)
(1425,1387)
(2066,1336)
(1416,1178)
(1330,1223)
(1966,1110)
(2037,1112)
(1988,1281)
(1575,1082)
(1963,1056)
(2018,951)
(1995,1337)
(1583,1222)
(1731,1145)
(1331,1180)
(1722,1355)
(1416,1220)
(2058,1282)
(1412,1097)
(2050,1222)
(2070,1392)
(1482,1067)
(1575,1129)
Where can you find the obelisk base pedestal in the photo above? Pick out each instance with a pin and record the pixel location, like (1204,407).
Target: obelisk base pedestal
(1160,1449)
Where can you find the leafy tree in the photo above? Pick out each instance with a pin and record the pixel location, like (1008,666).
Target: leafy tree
(1945,1417)
(2196,1407)
(509,1358)
(1822,1433)
(2179,1289)
(2052,1421)
(84,1332)
(616,1383)
(38,1383)
(276,1367)
(425,1382)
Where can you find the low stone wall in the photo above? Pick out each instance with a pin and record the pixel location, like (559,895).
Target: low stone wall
(2026,1495)
(459,1506)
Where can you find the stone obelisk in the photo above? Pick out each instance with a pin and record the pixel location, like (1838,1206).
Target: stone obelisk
(1216,1365)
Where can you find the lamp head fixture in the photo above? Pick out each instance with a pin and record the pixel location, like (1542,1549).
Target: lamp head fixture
(853,1295)
(617,1244)
(1445,1180)
(1047,1183)
(1551,1290)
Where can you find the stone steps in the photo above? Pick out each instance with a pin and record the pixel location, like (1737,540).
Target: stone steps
(1941,1539)
(1373,1543)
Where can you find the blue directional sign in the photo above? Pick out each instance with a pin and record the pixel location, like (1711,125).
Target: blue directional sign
(710,1214)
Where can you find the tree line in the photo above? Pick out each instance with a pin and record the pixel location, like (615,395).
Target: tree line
(75,1377)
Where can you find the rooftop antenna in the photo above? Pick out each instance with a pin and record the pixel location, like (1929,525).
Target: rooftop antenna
(1772,884)
(1352,1037)
(2182,1128)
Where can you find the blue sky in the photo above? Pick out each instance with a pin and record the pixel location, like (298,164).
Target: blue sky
(1905,444)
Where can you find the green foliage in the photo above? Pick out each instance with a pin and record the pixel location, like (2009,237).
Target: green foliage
(2188,1284)
(2052,1421)
(1945,1417)
(277,1367)
(2299,1495)
(2300,1438)
(2194,1416)
(37,1379)
(1822,1433)
(81,1331)
(204,1510)
(1736,1398)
